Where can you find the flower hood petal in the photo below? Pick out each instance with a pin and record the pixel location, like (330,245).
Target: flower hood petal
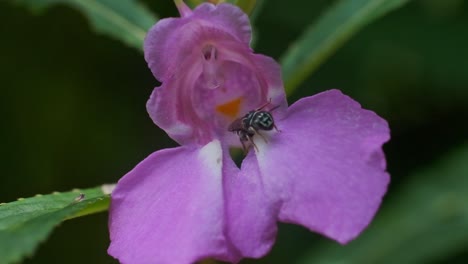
(209,74)
(166,47)
(326,165)
(187,111)
(169,209)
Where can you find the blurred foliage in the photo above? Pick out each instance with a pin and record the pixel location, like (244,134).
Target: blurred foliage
(73,114)
(247,5)
(125,20)
(327,34)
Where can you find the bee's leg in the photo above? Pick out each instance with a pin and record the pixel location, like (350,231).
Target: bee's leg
(253,132)
(262,136)
(244,148)
(252,143)
(247,136)
(264,105)
(243,137)
(276,128)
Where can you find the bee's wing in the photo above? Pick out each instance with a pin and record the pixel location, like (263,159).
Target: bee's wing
(235,125)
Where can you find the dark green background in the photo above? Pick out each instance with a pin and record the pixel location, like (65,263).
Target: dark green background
(72,103)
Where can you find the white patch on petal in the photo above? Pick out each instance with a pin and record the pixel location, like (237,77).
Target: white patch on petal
(179,129)
(211,156)
(274,92)
(262,147)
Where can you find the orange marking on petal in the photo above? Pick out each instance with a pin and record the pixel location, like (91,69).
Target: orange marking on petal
(231,108)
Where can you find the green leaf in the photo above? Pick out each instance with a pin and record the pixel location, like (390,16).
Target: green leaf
(427,220)
(25,223)
(327,34)
(125,20)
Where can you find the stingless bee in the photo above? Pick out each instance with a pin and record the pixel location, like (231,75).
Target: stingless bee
(249,125)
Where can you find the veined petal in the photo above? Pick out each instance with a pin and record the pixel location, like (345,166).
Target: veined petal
(169,209)
(326,165)
(226,17)
(186,107)
(250,212)
(209,74)
(171,40)
(157,46)
(170,108)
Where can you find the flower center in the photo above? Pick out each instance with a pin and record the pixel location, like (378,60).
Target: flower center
(227,87)
(230,108)
(212,73)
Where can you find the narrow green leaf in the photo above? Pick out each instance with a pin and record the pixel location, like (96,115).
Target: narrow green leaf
(327,34)
(125,20)
(25,223)
(425,222)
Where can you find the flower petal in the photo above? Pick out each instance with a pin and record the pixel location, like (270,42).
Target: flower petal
(326,165)
(157,46)
(170,108)
(185,108)
(250,213)
(226,17)
(171,40)
(169,208)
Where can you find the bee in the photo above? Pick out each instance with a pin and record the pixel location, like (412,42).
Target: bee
(249,125)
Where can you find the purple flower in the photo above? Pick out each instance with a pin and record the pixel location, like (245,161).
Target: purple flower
(324,169)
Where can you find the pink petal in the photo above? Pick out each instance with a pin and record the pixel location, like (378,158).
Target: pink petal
(170,41)
(170,107)
(169,209)
(326,165)
(157,46)
(185,108)
(250,213)
(226,17)
(205,64)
